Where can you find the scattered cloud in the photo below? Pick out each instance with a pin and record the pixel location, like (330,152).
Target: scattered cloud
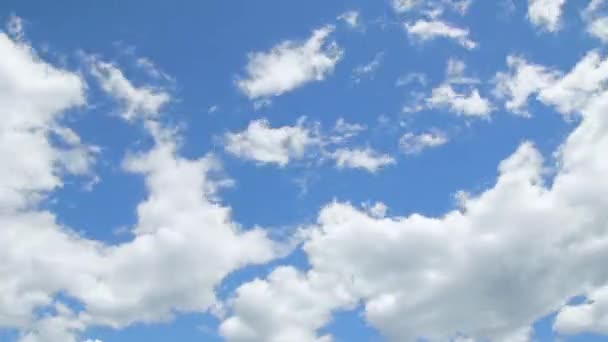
(426,30)
(351,18)
(179,225)
(289,65)
(366,159)
(411,143)
(281,145)
(265,144)
(137,102)
(471,266)
(368,70)
(566,92)
(469,103)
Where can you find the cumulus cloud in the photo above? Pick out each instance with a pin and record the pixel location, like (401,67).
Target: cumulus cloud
(425,30)
(522,81)
(566,92)
(137,102)
(468,102)
(468,272)
(266,144)
(412,143)
(366,159)
(289,65)
(179,228)
(471,104)
(546,13)
(33,100)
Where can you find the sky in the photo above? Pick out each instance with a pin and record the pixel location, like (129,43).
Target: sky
(311,171)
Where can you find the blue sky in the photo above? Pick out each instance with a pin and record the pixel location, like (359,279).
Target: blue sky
(395,170)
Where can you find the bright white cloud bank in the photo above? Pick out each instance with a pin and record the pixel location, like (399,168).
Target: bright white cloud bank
(512,254)
(290,65)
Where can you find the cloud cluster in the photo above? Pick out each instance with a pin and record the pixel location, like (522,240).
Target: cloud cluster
(513,253)
(280,145)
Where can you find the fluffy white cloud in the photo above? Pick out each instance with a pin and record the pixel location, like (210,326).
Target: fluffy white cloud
(179,228)
(469,103)
(588,317)
(599,29)
(366,159)
(546,13)
(431,7)
(266,144)
(512,254)
(566,92)
(137,102)
(290,65)
(300,304)
(425,30)
(522,81)
(411,143)
(33,100)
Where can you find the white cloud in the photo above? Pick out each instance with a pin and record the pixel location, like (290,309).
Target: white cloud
(432,8)
(468,272)
(469,103)
(366,159)
(368,70)
(588,317)
(546,13)
(281,145)
(425,30)
(138,102)
(566,92)
(179,228)
(522,81)
(266,144)
(290,65)
(411,143)
(401,6)
(33,100)
(351,18)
